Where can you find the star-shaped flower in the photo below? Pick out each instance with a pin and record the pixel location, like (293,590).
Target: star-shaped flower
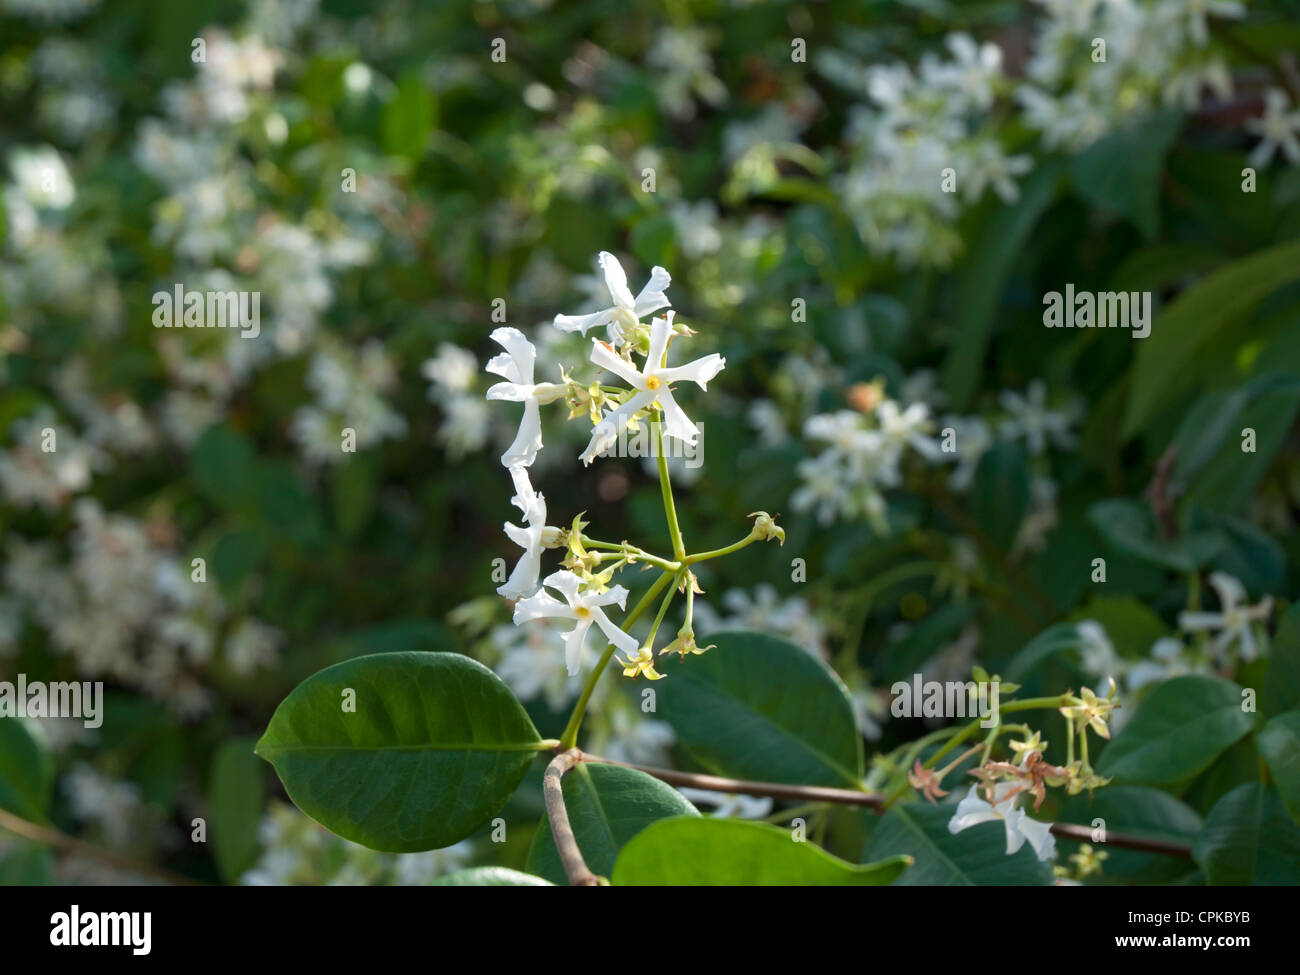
(515,365)
(973,810)
(626,312)
(651,385)
(584,608)
(532,539)
(1234,621)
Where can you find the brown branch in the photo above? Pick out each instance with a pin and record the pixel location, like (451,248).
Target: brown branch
(1160,494)
(575,868)
(870,800)
(70,844)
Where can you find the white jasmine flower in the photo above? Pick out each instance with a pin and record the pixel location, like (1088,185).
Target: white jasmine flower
(653,385)
(1166,662)
(584,608)
(626,312)
(1277,128)
(1234,622)
(515,365)
(1030,418)
(973,810)
(532,539)
(1097,654)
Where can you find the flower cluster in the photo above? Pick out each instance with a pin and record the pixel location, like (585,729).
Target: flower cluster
(648,396)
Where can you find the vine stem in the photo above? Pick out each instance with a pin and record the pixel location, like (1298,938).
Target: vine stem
(870,800)
(575,867)
(49,836)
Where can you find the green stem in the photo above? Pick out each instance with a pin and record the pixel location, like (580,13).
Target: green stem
(670,509)
(717,552)
(570,737)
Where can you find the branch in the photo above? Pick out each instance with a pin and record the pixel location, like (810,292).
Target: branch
(870,800)
(575,868)
(70,844)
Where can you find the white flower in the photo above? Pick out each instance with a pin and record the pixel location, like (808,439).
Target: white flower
(532,539)
(42,177)
(1030,418)
(1166,662)
(652,385)
(1096,652)
(725,805)
(1277,129)
(627,311)
(515,365)
(1233,622)
(904,428)
(584,608)
(973,810)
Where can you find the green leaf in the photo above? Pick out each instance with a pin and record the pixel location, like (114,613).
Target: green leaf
(1282,681)
(1161,373)
(434,747)
(976,855)
(1001,491)
(27,865)
(408,119)
(1180,728)
(993,258)
(236,795)
(1229,481)
(1279,744)
(1057,638)
(489,877)
(758,707)
(700,852)
(1140,811)
(225,467)
(1120,174)
(1248,838)
(1128,527)
(607,806)
(26,772)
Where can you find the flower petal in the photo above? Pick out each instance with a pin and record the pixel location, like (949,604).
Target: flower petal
(700,371)
(580,323)
(616,280)
(603,356)
(652,296)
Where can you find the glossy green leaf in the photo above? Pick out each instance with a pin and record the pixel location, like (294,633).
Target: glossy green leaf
(1129,527)
(1161,374)
(607,806)
(1279,744)
(1120,173)
(1180,728)
(759,707)
(1248,838)
(236,795)
(490,877)
(1139,811)
(700,852)
(434,747)
(26,771)
(976,855)
(1282,680)
(1001,492)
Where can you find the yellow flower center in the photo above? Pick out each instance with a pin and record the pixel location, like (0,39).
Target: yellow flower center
(653,382)
(582,612)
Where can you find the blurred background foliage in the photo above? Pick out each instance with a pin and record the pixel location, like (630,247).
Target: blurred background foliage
(381,180)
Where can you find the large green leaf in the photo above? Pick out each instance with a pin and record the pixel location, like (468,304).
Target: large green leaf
(976,855)
(1248,838)
(1178,731)
(1129,528)
(1120,173)
(235,796)
(26,771)
(696,852)
(1162,372)
(607,806)
(758,707)
(435,746)
(489,877)
(1139,811)
(1282,681)
(1279,744)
